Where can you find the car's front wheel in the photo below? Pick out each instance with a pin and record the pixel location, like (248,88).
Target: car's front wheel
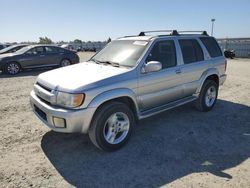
(208,96)
(111,126)
(12,68)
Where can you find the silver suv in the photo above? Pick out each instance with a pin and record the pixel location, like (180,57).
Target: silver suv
(132,78)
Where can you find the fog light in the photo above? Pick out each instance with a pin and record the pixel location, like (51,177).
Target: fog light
(59,122)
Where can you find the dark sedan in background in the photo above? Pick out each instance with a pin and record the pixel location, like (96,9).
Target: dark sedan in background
(12,48)
(36,56)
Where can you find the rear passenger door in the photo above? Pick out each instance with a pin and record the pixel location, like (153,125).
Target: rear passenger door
(193,64)
(53,56)
(158,88)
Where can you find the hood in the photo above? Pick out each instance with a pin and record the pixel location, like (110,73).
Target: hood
(76,76)
(7,55)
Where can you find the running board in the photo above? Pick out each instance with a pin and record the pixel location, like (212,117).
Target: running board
(168,106)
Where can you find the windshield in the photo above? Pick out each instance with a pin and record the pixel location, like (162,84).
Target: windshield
(121,52)
(6,49)
(23,50)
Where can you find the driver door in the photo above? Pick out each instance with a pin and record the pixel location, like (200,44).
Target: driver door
(34,57)
(158,88)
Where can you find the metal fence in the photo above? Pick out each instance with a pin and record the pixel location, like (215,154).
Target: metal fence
(241,46)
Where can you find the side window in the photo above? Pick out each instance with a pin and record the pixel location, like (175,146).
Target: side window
(50,49)
(61,50)
(191,51)
(164,52)
(36,51)
(211,46)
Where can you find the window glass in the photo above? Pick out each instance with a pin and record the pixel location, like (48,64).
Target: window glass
(191,51)
(211,46)
(122,52)
(61,50)
(36,50)
(164,52)
(50,49)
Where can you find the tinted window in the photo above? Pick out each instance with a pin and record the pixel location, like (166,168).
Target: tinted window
(191,51)
(164,52)
(61,50)
(211,46)
(50,49)
(36,50)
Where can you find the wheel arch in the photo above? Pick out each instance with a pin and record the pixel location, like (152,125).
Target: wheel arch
(211,74)
(123,95)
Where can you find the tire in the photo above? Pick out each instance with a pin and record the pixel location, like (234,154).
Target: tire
(106,131)
(65,62)
(208,96)
(12,68)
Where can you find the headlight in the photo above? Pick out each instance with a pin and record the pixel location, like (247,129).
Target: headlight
(69,100)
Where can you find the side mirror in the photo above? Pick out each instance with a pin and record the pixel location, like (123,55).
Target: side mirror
(152,66)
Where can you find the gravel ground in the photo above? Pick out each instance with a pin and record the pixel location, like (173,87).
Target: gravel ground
(178,148)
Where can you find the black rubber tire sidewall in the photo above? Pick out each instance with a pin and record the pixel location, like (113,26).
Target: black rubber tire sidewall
(98,123)
(200,103)
(6,68)
(63,60)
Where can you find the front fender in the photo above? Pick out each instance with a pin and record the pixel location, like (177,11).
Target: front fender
(113,94)
(209,72)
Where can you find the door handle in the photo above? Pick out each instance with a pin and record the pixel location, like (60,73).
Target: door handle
(42,55)
(178,71)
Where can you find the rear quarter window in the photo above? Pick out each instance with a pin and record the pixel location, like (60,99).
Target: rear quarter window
(212,46)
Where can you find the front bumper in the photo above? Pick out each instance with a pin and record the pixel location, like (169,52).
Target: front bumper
(223,79)
(76,120)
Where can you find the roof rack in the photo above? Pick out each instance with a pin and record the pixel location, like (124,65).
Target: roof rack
(194,32)
(171,32)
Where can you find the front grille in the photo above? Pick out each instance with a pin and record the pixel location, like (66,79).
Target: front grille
(43,100)
(40,113)
(44,87)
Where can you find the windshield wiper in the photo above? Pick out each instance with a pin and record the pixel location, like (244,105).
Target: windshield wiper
(96,61)
(106,62)
(110,63)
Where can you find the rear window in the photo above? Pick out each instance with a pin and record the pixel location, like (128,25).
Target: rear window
(191,51)
(211,46)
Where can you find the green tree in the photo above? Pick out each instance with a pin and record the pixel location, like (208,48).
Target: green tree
(45,40)
(109,40)
(77,41)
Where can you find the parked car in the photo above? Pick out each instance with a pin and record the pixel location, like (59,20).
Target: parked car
(36,56)
(229,53)
(132,78)
(12,48)
(2,46)
(68,47)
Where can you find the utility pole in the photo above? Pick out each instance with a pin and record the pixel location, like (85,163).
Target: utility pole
(212,30)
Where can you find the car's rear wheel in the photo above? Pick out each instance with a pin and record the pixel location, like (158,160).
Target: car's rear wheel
(208,96)
(65,62)
(12,68)
(111,126)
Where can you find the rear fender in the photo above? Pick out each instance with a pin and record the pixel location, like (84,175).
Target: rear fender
(207,73)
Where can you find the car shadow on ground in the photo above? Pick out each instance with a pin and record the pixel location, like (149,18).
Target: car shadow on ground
(162,149)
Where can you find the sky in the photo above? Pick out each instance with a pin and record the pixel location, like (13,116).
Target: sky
(96,20)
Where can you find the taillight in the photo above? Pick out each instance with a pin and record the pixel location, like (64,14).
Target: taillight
(225,65)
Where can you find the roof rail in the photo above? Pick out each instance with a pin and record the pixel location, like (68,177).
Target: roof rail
(195,32)
(171,32)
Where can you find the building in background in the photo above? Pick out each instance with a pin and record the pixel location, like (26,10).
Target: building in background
(241,46)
